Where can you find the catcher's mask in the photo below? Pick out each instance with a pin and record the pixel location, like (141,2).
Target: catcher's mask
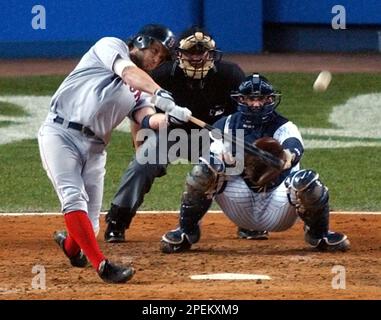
(257,87)
(151,32)
(197,53)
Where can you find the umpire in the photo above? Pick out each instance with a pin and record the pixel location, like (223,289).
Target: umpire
(198,80)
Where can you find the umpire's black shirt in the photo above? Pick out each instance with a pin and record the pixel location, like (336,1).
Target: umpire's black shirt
(208,99)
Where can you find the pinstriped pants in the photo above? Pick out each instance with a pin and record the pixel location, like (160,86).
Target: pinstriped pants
(269,211)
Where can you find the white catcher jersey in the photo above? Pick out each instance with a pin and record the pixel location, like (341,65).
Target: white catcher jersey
(94,95)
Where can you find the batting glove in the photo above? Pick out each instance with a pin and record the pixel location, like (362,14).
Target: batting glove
(163,100)
(179,113)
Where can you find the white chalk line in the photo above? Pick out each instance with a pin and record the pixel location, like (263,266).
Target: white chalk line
(230,276)
(23,214)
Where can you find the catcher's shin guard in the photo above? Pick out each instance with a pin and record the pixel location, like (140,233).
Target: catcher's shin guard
(191,212)
(118,219)
(196,199)
(195,203)
(310,197)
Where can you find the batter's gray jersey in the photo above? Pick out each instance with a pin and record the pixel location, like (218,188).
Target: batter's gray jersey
(94,95)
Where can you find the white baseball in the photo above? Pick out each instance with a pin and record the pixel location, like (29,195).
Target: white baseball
(322,81)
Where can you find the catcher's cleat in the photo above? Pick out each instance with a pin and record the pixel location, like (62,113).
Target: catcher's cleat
(333,241)
(114,235)
(252,234)
(175,241)
(79,260)
(112,273)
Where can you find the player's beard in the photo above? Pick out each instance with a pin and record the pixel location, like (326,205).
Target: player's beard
(138,59)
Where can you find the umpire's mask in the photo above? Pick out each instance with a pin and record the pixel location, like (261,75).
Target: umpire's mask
(196,54)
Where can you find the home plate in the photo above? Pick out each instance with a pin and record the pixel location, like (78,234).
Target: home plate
(230,276)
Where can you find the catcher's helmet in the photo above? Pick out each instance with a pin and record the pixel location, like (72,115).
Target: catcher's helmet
(257,86)
(150,32)
(196,53)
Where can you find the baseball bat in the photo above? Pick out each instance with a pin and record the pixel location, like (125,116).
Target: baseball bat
(249,148)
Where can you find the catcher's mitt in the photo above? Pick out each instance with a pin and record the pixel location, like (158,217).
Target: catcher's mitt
(256,170)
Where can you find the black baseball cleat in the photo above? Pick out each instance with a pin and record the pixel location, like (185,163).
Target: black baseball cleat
(252,234)
(79,260)
(332,242)
(114,235)
(174,241)
(112,273)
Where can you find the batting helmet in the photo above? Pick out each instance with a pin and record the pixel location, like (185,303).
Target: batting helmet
(196,53)
(257,86)
(151,32)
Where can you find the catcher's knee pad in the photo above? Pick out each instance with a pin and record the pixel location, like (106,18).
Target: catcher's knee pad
(201,180)
(306,192)
(197,199)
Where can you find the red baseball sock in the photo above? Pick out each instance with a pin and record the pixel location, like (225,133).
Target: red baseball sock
(79,228)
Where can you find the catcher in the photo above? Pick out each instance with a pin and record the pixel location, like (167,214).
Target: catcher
(259,197)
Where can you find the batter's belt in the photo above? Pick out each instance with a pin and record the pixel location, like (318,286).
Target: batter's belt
(76,126)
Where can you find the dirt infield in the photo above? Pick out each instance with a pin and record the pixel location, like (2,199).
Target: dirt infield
(296,272)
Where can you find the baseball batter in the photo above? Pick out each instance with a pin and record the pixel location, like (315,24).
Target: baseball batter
(108,84)
(275,206)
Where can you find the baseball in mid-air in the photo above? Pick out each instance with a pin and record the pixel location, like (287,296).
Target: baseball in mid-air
(322,81)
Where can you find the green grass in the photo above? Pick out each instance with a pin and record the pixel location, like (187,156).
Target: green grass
(309,109)
(6,123)
(353,179)
(36,85)
(24,186)
(352,174)
(11,109)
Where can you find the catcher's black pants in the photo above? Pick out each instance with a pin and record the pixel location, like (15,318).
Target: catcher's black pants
(138,178)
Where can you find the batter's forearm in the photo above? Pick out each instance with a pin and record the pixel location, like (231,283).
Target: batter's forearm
(156,120)
(139,79)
